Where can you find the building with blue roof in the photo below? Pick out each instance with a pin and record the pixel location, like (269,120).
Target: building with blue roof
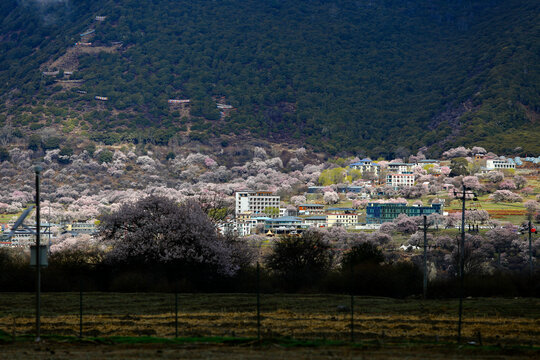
(316,221)
(366,165)
(377,213)
(285,225)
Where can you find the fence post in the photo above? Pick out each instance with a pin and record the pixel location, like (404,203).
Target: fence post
(530,251)
(258,286)
(38,259)
(176,313)
(14,329)
(461,265)
(80,307)
(352,301)
(425,258)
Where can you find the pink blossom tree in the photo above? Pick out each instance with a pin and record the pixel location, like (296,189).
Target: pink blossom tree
(157,230)
(532,208)
(520,181)
(456,152)
(299,199)
(210,163)
(417,239)
(495,176)
(477,150)
(507,185)
(502,237)
(472,182)
(360,204)
(405,224)
(387,227)
(331,197)
(505,196)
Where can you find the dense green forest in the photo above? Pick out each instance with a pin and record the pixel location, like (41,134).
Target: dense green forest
(377,77)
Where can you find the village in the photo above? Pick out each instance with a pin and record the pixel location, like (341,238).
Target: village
(261,212)
(364,196)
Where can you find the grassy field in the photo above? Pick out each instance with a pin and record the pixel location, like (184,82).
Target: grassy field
(306,317)
(61,350)
(5,218)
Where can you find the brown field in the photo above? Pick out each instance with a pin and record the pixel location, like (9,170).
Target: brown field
(384,328)
(69,351)
(316,317)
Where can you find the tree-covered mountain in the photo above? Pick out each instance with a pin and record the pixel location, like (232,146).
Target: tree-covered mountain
(379,77)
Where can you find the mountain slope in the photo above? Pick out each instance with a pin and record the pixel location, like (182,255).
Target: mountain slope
(374,77)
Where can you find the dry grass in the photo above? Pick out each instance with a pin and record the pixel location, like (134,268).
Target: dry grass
(499,321)
(282,323)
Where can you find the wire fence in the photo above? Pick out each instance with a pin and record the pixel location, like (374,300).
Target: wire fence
(295,316)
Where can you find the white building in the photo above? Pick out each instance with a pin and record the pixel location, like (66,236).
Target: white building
(499,164)
(366,165)
(316,221)
(400,180)
(255,203)
(401,168)
(246,227)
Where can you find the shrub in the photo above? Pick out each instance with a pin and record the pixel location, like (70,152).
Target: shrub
(4,154)
(505,196)
(105,156)
(300,262)
(362,253)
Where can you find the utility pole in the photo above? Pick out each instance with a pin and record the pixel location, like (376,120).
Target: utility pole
(352,301)
(461,263)
(258,288)
(425,257)
(38,259)
(531,230)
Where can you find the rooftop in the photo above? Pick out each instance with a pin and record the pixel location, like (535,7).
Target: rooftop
(364,162)
(286,219)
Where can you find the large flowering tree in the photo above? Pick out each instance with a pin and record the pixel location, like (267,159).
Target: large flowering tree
(156,230)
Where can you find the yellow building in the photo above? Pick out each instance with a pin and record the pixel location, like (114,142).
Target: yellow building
(341,217)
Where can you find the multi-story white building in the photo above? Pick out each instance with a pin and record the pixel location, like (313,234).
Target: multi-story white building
(316,221)
(242,226)
(256,203)
(401,168)
(499,164)
(400,180)
(366,165)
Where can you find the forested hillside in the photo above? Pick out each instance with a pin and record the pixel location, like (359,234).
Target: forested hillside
(378,77)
